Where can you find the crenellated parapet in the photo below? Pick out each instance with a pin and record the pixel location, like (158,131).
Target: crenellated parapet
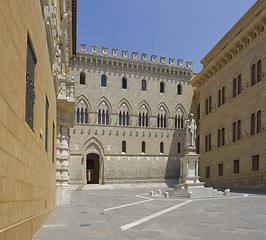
(134,64)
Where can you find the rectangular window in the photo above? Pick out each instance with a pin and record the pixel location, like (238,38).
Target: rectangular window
(53,143)
(239,83)
(161,147)
(234,87)
(259,121)
(220,169)
(219,97)
(255,163)
(30,95)
(210,141)
(253,74)
(143,147)
(219,138)
(199,112)
(259,71)
(234,131)
(252,123)
(236,166)
(207,106)
(238,129)
(206,143)
(208,172)
(178,148)
(198,144)
(223,95)
(223,136)
(210,104)
(46,124)
(124,146)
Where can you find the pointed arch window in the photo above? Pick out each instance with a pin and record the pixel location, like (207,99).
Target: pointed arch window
(82,78)
(81,112)
(143,85)
(179,119)
(143,116)
(103,114)
(123,115)
(161,118)
(103,81)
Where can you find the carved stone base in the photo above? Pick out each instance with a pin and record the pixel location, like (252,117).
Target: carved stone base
(189,168)
(62,197)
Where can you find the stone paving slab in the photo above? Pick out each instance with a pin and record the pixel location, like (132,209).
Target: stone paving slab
(234,217)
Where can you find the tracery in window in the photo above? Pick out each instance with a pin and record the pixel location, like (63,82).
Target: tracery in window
(143,116)
(81,112)
(179,119)
(103,114)
(161,118)
(123,115)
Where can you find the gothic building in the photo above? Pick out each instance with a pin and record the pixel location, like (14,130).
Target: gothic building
(129,118)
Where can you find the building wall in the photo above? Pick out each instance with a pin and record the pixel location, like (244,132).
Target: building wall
(239,52)
(106,140)
(27,174)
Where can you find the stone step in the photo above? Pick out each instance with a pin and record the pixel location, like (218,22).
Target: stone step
(196,192)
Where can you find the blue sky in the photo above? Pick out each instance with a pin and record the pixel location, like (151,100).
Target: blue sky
(182,29)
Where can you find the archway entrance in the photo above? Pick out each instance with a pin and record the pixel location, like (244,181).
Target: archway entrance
(92,170)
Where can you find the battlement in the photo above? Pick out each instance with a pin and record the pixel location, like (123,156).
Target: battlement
(144,56)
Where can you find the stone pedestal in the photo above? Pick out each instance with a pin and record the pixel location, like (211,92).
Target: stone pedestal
(189,176)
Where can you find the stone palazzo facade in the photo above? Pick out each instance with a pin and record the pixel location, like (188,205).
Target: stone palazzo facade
(230,91)
(129,118)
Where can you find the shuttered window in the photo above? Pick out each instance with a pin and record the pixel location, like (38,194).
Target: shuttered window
(30,95)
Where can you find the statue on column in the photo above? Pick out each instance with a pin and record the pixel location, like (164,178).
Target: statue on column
(191,127)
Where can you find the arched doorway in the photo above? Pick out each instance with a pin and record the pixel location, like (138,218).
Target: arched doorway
(92,169)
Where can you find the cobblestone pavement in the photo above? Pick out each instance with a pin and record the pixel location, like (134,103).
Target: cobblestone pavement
(130,213)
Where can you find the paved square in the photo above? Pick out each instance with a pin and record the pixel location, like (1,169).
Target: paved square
(130,213)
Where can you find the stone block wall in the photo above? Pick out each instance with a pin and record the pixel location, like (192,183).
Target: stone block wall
(233,58)
(27,173)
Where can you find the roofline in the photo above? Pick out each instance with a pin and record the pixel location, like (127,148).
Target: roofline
(211,54)
(74,26)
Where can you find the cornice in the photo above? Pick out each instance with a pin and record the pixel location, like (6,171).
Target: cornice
(246,39)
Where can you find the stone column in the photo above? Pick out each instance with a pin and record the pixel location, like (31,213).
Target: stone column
(64,157)
(58,157)
(62,165)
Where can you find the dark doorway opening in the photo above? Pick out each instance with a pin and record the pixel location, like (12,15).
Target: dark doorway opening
(92,170)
